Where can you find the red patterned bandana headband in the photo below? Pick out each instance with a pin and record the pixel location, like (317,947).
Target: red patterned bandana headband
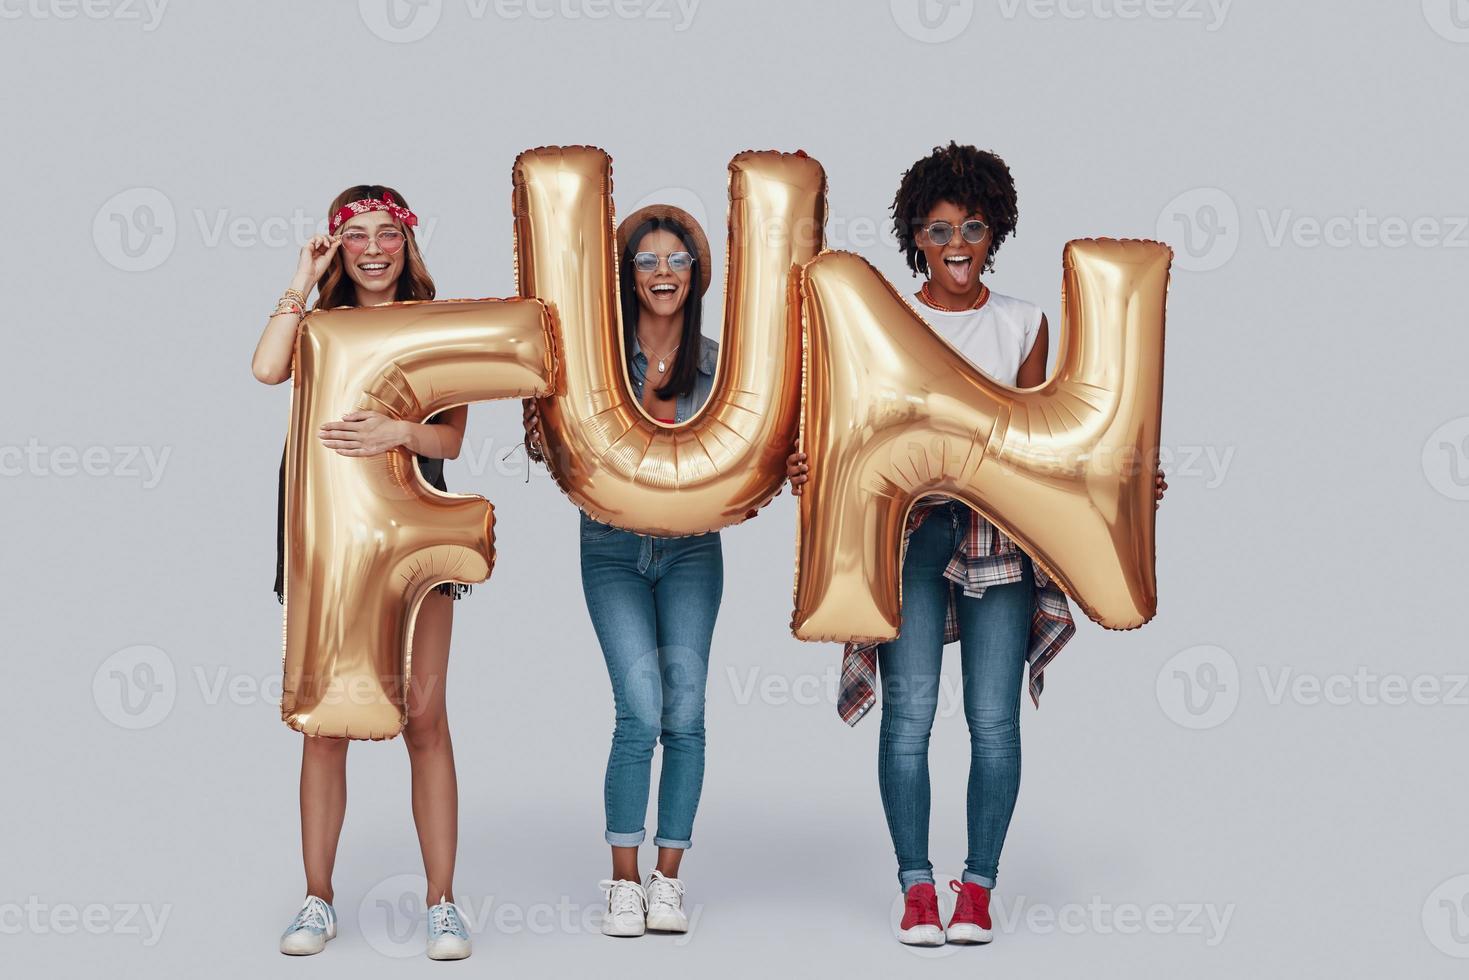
(367,204)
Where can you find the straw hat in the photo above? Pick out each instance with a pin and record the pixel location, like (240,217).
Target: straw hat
(701,243)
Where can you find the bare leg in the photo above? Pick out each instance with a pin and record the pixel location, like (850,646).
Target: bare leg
(668,861)
(625,864)
(430,752)
(323,807)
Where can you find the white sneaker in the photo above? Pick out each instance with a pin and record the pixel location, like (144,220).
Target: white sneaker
(665,903)
(448,936)
(310,929)
(627,908)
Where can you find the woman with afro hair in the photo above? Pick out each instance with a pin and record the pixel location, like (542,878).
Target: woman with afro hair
(963,579)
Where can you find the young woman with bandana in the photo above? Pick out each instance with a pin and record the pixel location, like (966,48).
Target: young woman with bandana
(370,257)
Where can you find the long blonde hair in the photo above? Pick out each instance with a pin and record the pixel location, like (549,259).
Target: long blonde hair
(336,287)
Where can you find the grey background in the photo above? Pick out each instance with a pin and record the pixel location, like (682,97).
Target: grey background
(1315,409)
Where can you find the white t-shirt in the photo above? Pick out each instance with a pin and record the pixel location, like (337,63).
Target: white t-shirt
(996,338)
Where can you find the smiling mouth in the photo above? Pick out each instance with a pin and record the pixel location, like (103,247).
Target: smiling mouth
(373,268)
(663,289)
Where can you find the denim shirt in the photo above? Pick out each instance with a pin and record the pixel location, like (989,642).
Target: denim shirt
(685,405)
(684,408)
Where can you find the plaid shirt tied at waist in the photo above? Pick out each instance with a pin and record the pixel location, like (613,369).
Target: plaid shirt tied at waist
(984,557)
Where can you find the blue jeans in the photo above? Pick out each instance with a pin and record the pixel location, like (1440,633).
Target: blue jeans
(653,602)
(994,633)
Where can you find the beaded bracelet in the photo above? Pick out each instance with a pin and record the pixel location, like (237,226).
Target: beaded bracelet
(291,301)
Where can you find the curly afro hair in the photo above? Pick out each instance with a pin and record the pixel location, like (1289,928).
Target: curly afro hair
(976,180)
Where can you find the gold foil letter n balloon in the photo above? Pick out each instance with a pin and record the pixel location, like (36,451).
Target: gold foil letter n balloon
(606,454)
(892,412)
(366,538)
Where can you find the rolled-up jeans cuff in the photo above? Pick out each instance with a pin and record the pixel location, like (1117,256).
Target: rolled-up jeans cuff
(907,879)
(682,845)
(984,880)
(626,840)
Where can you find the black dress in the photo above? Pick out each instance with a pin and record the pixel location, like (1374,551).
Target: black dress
(433,474)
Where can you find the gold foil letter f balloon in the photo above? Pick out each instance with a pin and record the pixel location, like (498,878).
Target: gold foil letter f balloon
(610,458)
(892,412)
(366,538)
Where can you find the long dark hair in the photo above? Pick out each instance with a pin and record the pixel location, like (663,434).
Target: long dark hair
(686,362)
(336,287)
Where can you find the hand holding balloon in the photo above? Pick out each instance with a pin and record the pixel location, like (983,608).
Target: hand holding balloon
(531,418)
(364,433)
(366,538)
(796,471)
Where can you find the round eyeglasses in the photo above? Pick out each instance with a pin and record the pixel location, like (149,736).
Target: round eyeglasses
(677,261)
(942,232)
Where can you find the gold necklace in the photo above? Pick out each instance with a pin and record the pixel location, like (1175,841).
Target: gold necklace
(928,300)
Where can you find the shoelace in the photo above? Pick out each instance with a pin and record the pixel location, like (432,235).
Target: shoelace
(965,906)
(444,917)
(624,896)
(659,885)
(313,915)
(924,913)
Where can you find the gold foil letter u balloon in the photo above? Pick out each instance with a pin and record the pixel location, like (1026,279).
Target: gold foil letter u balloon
(893,412)
(366,538)
(613,460)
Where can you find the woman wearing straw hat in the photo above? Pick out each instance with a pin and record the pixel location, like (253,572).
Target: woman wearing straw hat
(653,601)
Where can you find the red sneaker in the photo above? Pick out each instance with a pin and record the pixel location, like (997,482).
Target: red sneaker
(921,924)
(971,921)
